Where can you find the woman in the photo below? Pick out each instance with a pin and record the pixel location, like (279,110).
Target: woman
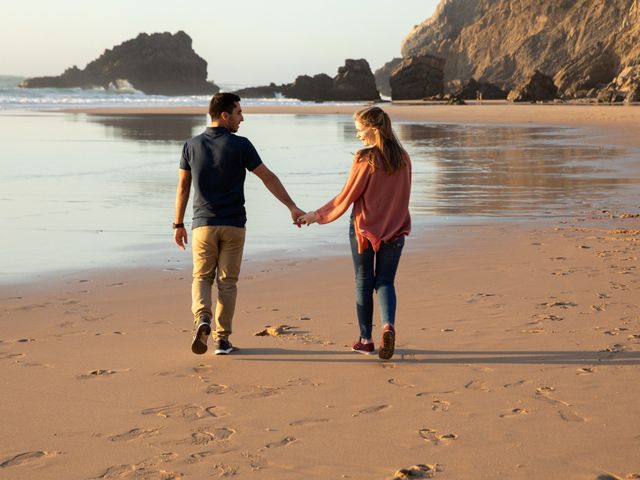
(378,186)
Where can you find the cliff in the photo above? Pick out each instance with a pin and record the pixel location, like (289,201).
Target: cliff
(582,44)
(160,63)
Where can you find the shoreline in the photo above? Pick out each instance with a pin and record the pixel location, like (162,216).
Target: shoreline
(619,121)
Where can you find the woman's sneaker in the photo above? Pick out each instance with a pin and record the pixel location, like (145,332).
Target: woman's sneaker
(388,342)
(366,348)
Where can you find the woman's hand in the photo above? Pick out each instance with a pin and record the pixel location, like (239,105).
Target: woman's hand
(308,218)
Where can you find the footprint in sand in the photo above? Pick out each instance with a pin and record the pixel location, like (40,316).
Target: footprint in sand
(26,457)
(4,356)
(544,393)
(189,411)
(387,364)
(434,437)
(477,385)
(516,412)
(398,383)
(373,409)
(570,416)
(199,456)
(518,383)
(217,389)
(135,434)
(586,371)
(205,437)
(440,405)
(224,470)
(554,304)
(282,443)
(138,471)
(99,373)
(308,421)
(256,462)
(261,391)
(417,471)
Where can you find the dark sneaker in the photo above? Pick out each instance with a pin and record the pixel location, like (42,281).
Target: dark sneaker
(199,344)
(366,348)
(224,347)
(388,342)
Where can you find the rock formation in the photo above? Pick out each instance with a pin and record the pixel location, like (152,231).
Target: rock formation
(382,76)
(473,90)
(160,63)
(354,82)
(582,44)
(538,87)
(417,77)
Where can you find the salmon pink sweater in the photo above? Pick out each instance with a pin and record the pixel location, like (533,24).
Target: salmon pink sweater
(380,202)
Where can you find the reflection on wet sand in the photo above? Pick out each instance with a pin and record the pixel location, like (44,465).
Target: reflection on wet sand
(471,170)
(163,128)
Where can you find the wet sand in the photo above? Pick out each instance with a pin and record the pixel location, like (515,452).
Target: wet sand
(517,357)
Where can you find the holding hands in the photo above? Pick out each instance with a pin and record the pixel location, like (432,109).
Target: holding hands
(307,219)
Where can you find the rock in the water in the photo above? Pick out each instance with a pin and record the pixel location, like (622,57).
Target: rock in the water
(417,78)
(268,91)
(315,89)
(355,82)
(382,76)
(474,90)
(160,63)
(537,88)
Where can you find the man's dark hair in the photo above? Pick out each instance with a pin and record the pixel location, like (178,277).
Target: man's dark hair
(222,102)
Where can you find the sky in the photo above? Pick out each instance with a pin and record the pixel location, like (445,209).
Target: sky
(245,42)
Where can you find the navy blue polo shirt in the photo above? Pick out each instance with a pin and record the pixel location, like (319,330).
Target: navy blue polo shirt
(218,161)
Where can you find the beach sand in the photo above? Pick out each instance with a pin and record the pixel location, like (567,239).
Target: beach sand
(518,350)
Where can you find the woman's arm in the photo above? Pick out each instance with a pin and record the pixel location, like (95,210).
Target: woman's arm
(353,189)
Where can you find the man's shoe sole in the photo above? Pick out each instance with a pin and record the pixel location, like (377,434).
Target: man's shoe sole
(388,345)
(199,344)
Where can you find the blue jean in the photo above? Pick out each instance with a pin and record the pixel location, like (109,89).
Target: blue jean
(375,271)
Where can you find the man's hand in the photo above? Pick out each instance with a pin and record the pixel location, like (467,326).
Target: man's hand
(180,237)
(307,218)
(296,213)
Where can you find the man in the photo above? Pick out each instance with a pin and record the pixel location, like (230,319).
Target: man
(216,162)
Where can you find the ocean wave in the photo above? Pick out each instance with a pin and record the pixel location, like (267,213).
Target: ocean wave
(14,98)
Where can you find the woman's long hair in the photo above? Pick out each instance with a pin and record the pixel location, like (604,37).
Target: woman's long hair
(390,152)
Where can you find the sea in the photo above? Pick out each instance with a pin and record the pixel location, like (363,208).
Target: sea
(82,192)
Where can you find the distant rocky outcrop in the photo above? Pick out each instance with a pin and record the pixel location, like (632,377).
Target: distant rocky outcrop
(354,82)
(382,76)
(160,63)
(538,87)
(417,78)
(583,45)
(474,90)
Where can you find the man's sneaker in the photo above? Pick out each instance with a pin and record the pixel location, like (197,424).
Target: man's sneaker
(199,344)
(224,347)
(388,342)
(366,348)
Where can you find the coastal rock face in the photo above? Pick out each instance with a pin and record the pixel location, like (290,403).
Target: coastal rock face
(382,76)
(581,44)
(160,63)
(417,77)
(537,88)
(354,82)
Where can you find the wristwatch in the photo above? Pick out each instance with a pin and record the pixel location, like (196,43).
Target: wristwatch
(178,225)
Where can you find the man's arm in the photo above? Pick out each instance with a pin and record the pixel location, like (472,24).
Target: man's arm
(273,184)
(182,198)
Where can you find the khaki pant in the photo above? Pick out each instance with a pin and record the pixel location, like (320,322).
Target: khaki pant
(217,255)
